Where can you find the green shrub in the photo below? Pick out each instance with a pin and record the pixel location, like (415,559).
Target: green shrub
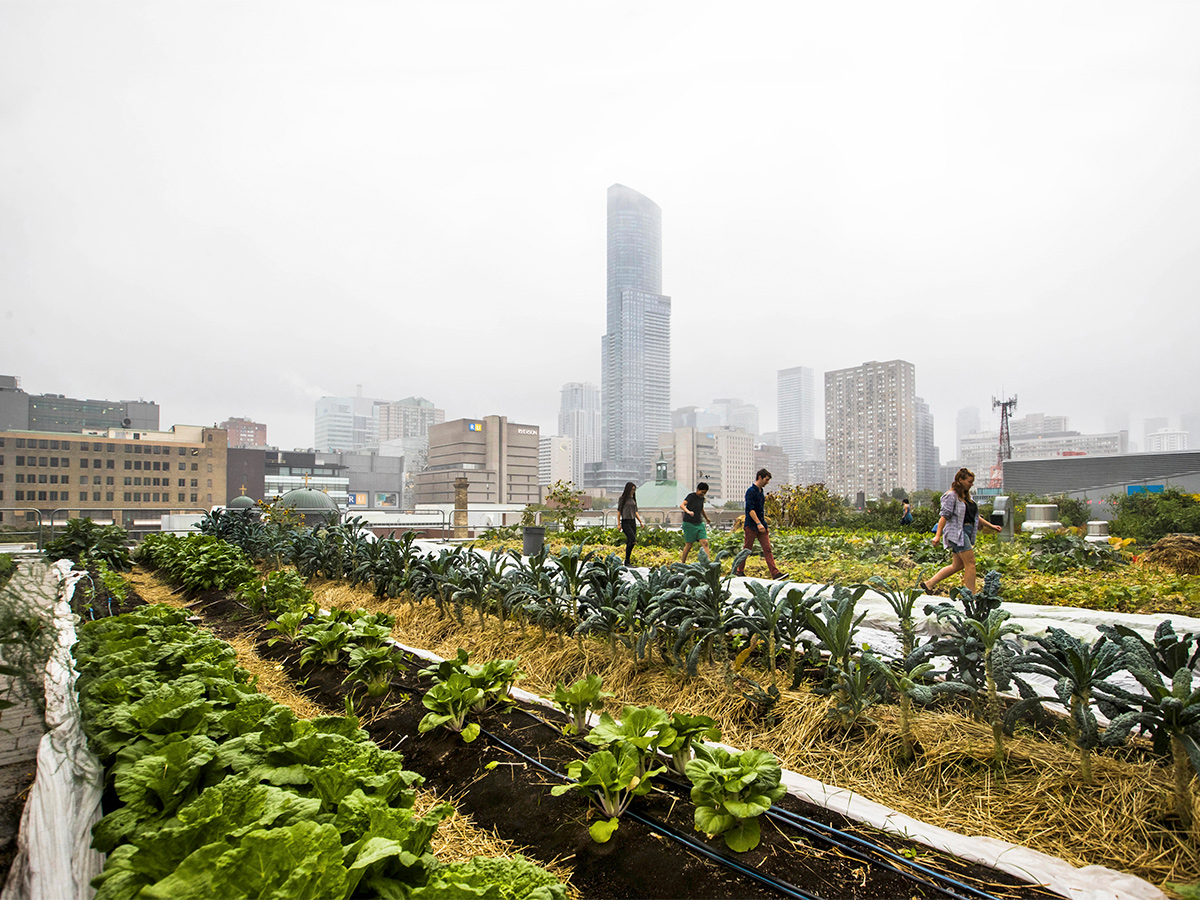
(1149,517)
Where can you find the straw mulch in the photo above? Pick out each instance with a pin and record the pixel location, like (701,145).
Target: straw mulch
(1123,820)
(1178,552)
(457,839)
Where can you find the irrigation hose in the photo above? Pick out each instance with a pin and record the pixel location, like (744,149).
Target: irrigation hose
(843,840)
(783,887)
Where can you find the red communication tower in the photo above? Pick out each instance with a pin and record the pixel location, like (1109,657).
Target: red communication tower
(1005,451)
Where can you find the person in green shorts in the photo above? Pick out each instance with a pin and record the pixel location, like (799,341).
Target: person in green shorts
(694,518)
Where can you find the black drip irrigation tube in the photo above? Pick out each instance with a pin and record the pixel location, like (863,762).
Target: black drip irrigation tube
(860,848)
(783,887)
(843,841)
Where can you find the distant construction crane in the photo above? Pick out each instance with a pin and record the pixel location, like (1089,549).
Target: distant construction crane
(1005,450)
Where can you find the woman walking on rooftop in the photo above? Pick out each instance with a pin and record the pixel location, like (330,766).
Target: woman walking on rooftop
(958,524)
(627,509)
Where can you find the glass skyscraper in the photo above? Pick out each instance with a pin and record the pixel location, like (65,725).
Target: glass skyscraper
(797,415)
(636,350)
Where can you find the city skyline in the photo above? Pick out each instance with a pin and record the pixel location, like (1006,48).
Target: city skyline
(213,214)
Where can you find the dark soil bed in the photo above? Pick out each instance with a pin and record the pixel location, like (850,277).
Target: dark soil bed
(513,798)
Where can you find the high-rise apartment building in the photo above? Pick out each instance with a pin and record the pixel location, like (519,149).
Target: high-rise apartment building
(347,423)
(555,460)
(245,434)
(871,428)
(636,348)
(735,449)
(796,403)
(408,418)
(579,420)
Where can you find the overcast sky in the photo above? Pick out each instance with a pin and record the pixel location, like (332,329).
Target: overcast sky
(236,208)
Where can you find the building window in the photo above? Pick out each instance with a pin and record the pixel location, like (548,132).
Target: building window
(83,464)
(195,467)
(66,479)
(41,479)
(20,495)
(96,496)
(42,461)
(181,498)
(195,482)
(110,464)
(182,466)
(41,495)
(195,497)
(108,495)
(181,484)
(20,478)
(83,496)
(128,496)
(20,461)
(129,481)
(108,480)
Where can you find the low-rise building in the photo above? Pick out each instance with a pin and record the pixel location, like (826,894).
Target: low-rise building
(498,458)
(117,475)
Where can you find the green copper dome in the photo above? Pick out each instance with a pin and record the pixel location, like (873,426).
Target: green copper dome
(241,502)
(311,504)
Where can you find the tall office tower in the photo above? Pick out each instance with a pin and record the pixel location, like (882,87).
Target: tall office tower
(408,418)
(871,428)
(966,422)
(346,423)
(579,419)
(734,413)
(797,414)
(929,466)
(636,350)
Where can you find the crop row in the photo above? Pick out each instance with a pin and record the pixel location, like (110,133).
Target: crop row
(214,790)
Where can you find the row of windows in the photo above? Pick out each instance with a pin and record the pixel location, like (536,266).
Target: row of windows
(64,462)
(97,446)
(21,478)
(134,497)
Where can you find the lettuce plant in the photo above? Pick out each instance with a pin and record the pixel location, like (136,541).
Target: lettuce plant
(582,696)
(731,790)
(373,667)
(449,703)
(326,642)
(689,731)
(610,781)
(515,878)
(644,728)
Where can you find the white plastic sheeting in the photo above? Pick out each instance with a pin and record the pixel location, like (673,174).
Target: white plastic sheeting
(55,860)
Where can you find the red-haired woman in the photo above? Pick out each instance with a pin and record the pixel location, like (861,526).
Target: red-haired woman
(958,524)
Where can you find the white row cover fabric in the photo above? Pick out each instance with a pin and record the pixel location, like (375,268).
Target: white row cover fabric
(55,859)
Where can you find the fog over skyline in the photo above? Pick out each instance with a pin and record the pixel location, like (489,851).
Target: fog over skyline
(234,209)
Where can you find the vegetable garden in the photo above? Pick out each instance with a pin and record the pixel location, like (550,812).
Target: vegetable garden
(959,730)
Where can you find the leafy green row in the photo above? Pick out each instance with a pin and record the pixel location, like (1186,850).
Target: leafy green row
(225,793)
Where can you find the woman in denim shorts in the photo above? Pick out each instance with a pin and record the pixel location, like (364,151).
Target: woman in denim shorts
(958,524)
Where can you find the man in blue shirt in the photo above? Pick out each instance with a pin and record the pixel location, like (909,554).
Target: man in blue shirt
(755,524)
